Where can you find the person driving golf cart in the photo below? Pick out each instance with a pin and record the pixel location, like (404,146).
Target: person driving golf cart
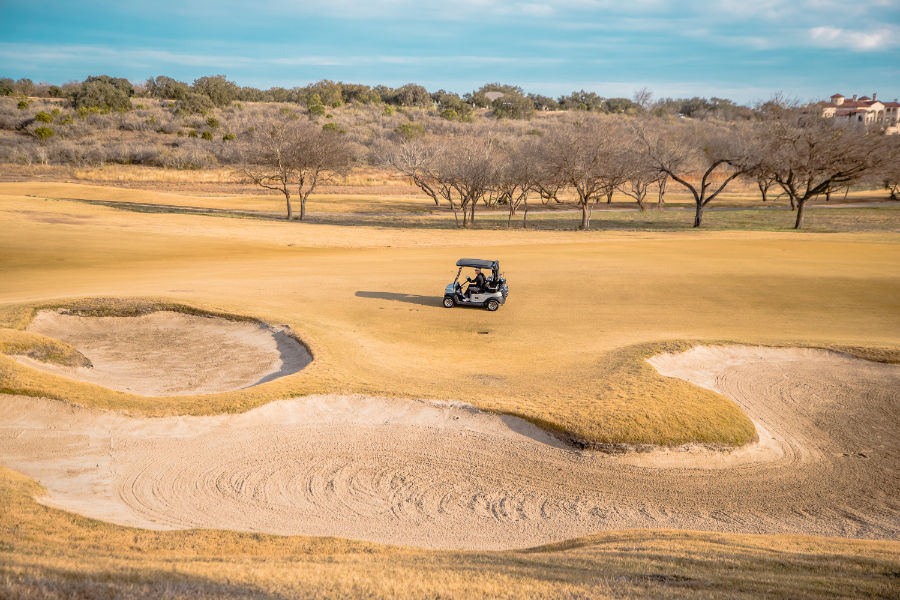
(476,286)
(487,292)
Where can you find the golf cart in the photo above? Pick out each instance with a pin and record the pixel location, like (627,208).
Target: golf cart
(491,296)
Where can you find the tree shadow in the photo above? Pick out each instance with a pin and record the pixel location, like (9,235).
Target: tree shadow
(397,297)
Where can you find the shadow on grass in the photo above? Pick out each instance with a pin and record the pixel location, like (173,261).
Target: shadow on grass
(674,218)
(397,297)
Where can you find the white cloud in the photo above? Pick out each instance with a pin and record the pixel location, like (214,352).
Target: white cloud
(881,38)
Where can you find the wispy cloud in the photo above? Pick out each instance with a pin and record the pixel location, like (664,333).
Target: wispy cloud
(160,58)
(882,38)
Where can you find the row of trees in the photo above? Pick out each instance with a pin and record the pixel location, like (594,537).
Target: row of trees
(805,155)
(112,93)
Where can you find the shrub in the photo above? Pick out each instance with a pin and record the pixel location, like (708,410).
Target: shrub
(180,133)
(207,135)
(217,88)
(167,88)
(90,110)
(513,106)
(213,123)
(317,110)
(43,133)
(43,117)
(22,105)
(192,133)
(449,114)
(229,137)
(409,131)
(388,110)
(120,83)
(194,103)
(333,127)
(66,120)
(101,95)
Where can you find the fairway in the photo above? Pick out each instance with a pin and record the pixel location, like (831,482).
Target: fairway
(396,426)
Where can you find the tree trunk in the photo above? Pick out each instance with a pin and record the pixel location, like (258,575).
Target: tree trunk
(762,190)
(827,195)
(525,216)
(698,216)
(609,196)
(662,192)
(472,219)
(793,203)
(287,201)
(799,222)
(585,216)
(302,207)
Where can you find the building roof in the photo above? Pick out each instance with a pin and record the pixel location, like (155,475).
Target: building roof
(862,104)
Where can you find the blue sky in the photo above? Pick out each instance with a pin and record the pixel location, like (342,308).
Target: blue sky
(740,49)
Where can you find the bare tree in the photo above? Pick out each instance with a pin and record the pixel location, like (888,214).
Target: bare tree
(579,156)
(318,153)
(295,153)
(808,155)
(639,172)
(469,167)
(764,181)
(643,97)
(662,181)
(268,160)
(889,174)
(518,174)
(425,163)
(416,159)
(718,153)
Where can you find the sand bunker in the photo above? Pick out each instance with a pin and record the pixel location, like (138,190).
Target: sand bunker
(447,476)
(170,353)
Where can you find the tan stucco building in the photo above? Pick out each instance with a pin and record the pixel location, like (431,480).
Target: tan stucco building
(864,112)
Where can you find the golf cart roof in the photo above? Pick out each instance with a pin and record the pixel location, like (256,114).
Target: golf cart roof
(478,263)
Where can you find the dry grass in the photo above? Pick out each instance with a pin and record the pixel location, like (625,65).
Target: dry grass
(565,352)
(46,553)
(371,197)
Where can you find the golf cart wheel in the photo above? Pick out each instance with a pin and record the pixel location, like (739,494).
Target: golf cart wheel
(492,305)
(448,302)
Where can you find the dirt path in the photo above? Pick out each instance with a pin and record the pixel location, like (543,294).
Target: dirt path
(447,476)
(169,353)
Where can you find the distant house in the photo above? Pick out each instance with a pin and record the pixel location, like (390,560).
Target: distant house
(864,112)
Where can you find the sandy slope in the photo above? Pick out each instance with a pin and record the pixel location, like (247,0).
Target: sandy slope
(446,476)
(169,353)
